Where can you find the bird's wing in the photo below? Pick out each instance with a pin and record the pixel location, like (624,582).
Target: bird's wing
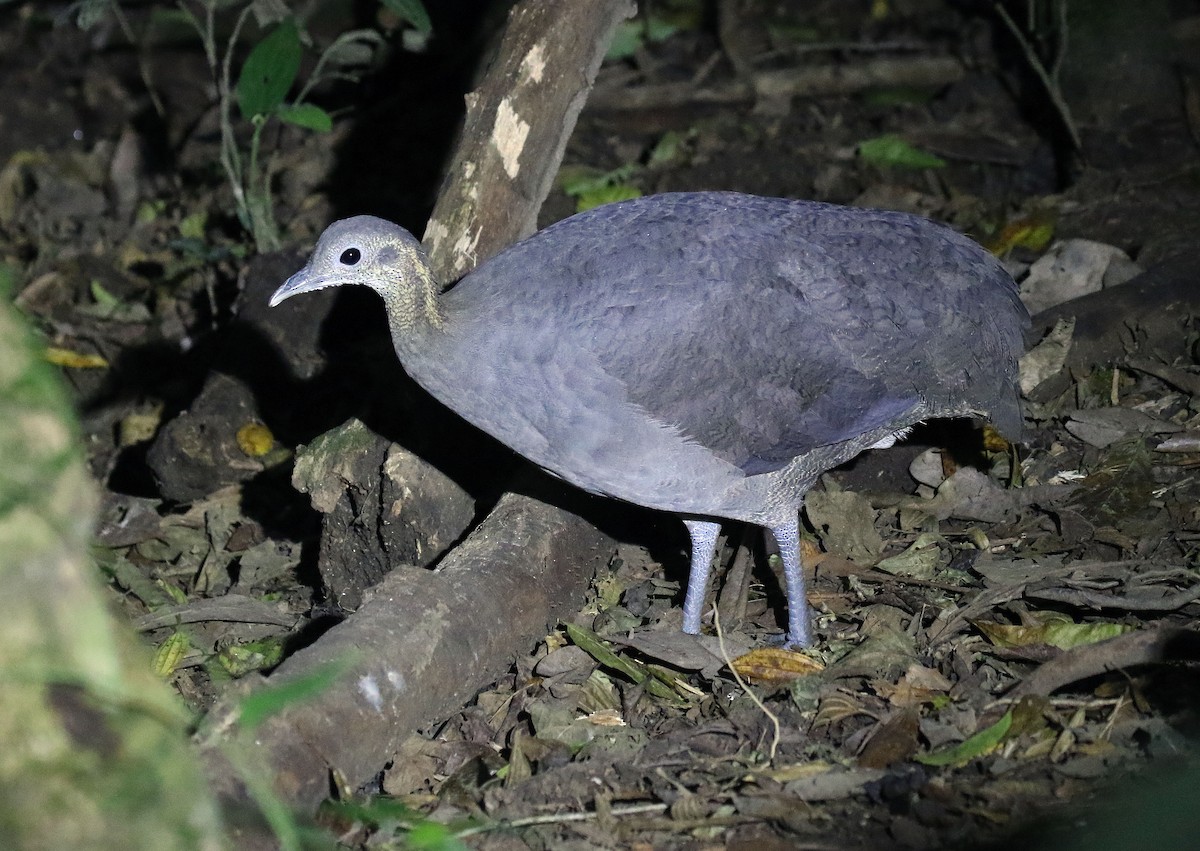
(756,328)
(760,369)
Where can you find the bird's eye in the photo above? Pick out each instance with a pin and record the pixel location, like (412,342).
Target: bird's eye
(350,256)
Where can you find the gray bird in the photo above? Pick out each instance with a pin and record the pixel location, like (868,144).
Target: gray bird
(710,354)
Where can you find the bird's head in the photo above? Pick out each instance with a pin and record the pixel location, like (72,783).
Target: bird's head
(375,253)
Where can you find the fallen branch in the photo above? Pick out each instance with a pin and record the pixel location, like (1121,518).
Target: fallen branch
(1146,647)
(1151,306)
(420,646)
(1137,602)
(232,608)
(814,81)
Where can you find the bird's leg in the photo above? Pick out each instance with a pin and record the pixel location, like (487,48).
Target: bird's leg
(704,546)
(799,632)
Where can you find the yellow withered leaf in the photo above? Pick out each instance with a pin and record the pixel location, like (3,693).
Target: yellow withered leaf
(255,439)
(170,653)
(775,666)
(74,360)
(1033,232)
(993,441)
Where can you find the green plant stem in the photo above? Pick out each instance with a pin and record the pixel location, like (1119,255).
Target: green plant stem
(319,75)
(231,158)
(139,46)
(258,194)
(221,69)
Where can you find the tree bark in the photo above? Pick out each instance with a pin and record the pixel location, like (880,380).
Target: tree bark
(517,126)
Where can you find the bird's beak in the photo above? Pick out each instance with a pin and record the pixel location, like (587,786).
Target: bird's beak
(301,282)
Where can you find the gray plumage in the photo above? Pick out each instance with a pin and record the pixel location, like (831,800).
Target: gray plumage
(710,354)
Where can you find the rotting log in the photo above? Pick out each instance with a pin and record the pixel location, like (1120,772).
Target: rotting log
(1147,312)
(421,645)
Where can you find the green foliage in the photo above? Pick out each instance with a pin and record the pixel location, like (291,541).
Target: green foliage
(387,816)
(894,152)
(93,749)
(631,35)
(264,81)
(269,71)
(590,189)
(982,743)
(411,11)
(656,22)
(305,115)
(272,699)
(237,660)
(639,673)
(88,13)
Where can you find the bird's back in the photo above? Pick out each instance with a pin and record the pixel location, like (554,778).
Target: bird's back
(706,337)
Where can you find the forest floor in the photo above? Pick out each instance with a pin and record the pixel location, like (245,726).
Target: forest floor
(1003,631)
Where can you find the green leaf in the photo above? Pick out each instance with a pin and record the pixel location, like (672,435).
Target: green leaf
(920,560)
(1067,635)
(306,115)
(411,11)
(626,40)
(668,150)
(103,297)
(591,189)
(170,653)
(983,742)
(430,836)
(240,659)
(273,699)
(1045,629)
(192,227)
(607,195)
(269,71)
(895,152)
(599,650)
(354,49)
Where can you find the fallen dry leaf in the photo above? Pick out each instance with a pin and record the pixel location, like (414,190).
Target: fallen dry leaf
(775,666)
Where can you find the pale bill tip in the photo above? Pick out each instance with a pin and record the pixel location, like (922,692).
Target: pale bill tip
(294,284)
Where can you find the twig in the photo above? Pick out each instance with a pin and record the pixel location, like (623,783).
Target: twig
(1060,702)
(232,608)
(230,157)
(560,818)
(1185,381)
(143,65)
(736,587)
(742,683)
(947,623)
(1112,718)
(1048,77)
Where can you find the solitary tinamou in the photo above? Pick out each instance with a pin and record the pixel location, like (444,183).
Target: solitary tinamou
(710,353)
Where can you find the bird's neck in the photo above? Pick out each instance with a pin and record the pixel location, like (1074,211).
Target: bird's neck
(413,305)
